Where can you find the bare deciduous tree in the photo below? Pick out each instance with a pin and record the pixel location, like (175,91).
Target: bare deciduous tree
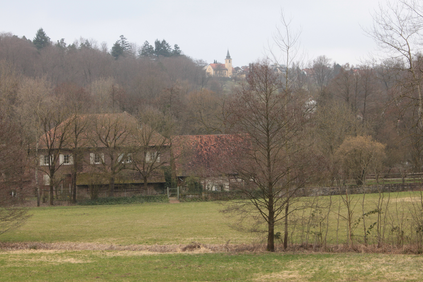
(78,102)
(54,138)
(397,28)
(274,123)
(151,149)
(109,135)
(14,182)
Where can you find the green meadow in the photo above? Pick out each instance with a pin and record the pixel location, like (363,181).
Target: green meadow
(110,236)
(137,266)
(150,223)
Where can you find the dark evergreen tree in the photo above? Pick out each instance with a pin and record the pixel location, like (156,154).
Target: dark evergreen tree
(176,50)
(61,44)
(117,50)
(147,50)
(120,48)
(162,48)
(85,44)
(41,39)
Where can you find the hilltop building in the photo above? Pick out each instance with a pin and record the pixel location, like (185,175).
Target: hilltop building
(221,70)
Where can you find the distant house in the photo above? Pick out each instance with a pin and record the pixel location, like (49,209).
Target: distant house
(210,158)
(221,70)
(104,155)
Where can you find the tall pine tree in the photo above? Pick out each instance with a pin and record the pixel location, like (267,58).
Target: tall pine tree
(41,39)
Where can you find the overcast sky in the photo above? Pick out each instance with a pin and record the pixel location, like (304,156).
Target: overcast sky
(203,29)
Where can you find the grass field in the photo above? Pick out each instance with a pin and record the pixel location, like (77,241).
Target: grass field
(129,224)
(123,227)
(136,266)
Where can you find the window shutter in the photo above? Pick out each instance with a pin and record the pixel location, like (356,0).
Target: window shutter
(92,158)
(42,160)
(102,157)
(120,157)
(70,159)
(61,159)
(158,157)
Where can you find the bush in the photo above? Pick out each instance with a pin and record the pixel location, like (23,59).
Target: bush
(126,200)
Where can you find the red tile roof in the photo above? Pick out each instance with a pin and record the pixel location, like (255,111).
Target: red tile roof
(206,155)
(218,67)
(117,124)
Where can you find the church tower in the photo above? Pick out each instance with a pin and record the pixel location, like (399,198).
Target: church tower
(228,64)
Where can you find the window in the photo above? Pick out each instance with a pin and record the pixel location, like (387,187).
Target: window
(96,158)
(46,179)
(152,157)
(129,158)
(125,158)
(65,159)
(45,160)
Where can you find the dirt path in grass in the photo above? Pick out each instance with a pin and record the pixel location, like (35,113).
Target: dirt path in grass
(194,247)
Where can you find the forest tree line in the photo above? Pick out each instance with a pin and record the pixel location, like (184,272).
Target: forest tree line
(367,100)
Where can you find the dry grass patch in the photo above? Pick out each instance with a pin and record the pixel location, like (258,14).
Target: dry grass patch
(351,268)
(283,276)
(194,247)
(406,200)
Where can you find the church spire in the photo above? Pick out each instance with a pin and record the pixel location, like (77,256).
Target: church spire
(228,56)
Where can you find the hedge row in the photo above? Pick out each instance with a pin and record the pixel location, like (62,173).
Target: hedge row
(126,200)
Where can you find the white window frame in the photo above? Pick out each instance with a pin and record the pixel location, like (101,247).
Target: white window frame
(150,156)
(129,158)
(96,158)
(125,158)
(44,158)
(65,159)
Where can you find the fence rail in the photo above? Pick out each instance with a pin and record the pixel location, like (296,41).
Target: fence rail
(173,192)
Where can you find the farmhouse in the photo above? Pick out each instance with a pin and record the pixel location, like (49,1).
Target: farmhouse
(103,154)
(210,158)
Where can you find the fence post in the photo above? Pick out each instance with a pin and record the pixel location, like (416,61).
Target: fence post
(177,192)
(167,192)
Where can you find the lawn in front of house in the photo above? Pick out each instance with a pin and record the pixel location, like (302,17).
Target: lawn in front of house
(183,223)
(148,223)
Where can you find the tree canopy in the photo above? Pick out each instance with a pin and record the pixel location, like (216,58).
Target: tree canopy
(41,40)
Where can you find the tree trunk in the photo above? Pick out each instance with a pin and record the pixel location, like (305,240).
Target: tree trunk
(37,185)
(111,186)
(51,192)
(145,184)
(74,172)
(271,228)
(271,237)
(73,189)
(285,239)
